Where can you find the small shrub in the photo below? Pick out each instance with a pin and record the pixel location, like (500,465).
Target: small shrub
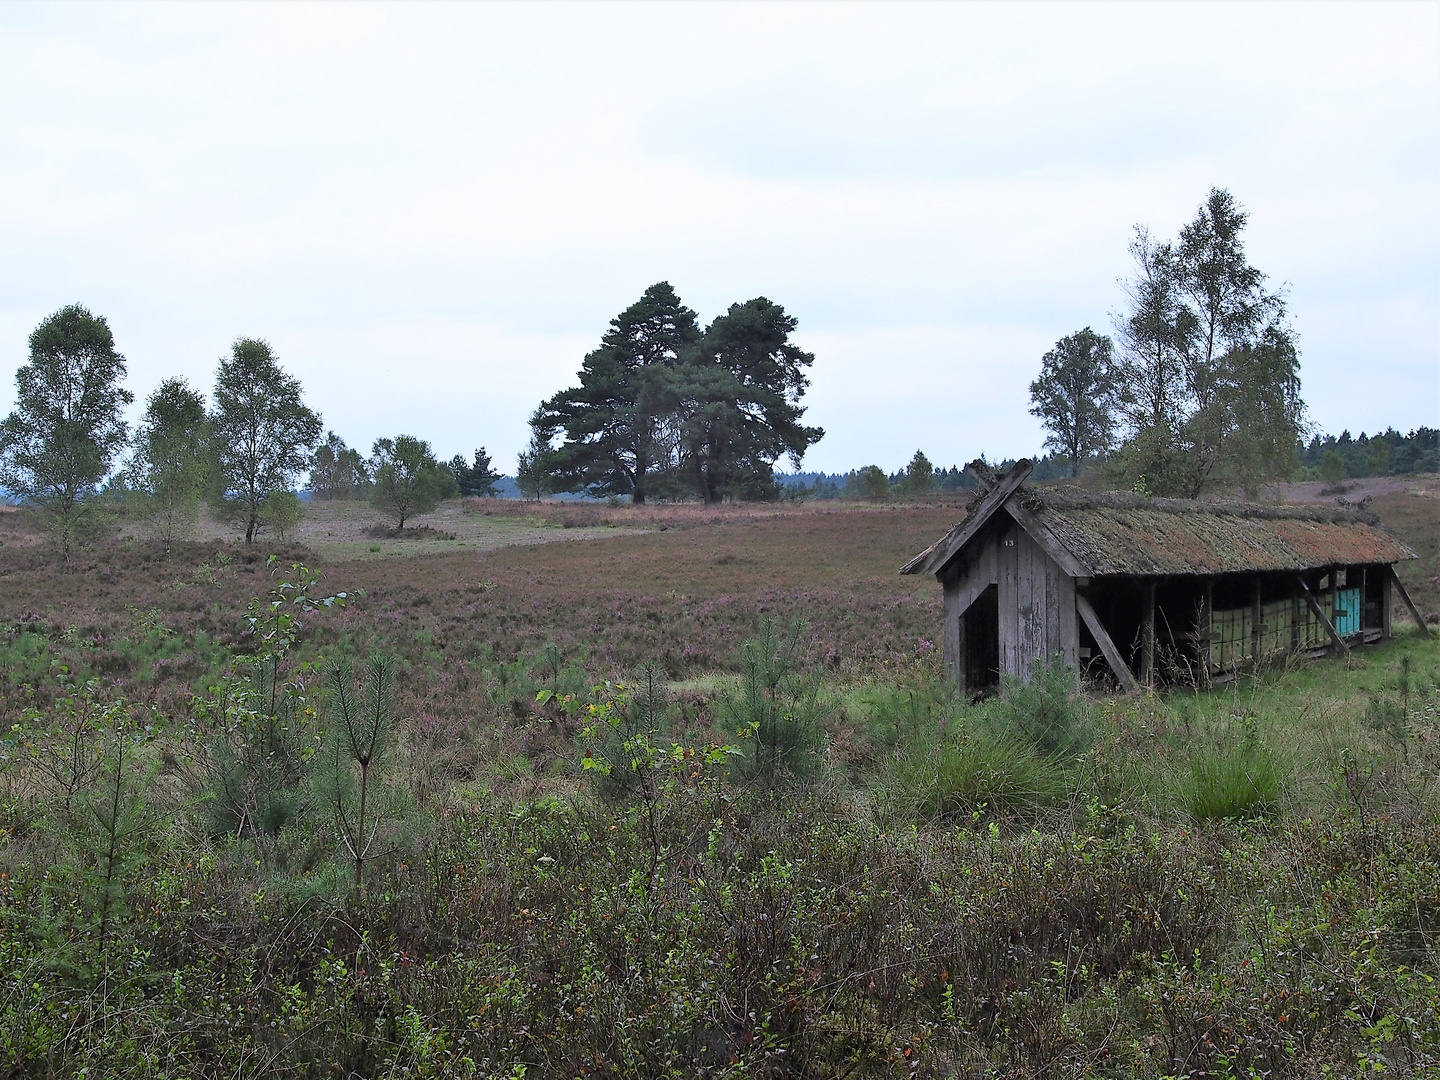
(906,716)
(414,532)
(282,512)
(352,779)
(632,721)
(1048,711)
(777,706)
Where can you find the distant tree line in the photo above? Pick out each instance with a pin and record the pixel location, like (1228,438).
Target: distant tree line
(1199,388)
(243,453)
(918,478)
(1388,453)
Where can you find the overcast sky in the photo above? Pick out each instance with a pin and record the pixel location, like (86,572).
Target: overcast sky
(432,212)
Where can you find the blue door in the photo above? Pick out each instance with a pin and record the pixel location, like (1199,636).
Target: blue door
(1347,612)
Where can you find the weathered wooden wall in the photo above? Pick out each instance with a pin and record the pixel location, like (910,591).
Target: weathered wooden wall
(1037,606)
(1036,600)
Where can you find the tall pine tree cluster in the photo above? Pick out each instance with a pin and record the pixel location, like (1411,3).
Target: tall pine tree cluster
(665,409)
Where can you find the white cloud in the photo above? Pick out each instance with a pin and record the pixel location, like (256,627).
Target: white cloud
(433,210)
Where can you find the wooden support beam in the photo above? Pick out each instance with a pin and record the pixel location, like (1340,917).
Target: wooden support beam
(1294,621)
(1410,604)
(1147,635)
(1319,613)
(1257,612)
(1387,605)
(1112,654)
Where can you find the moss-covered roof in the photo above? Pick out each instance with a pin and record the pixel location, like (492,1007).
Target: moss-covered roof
(1129,534)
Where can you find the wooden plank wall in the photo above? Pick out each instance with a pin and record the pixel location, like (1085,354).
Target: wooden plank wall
(1036,601)
(969,581)
(1037,605)
(951,637)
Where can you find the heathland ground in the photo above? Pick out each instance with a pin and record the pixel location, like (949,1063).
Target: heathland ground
(1238,882)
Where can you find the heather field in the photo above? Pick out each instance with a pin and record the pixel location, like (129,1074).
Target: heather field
(606,588)
(565,790)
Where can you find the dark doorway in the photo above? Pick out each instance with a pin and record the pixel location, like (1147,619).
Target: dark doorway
(982,643)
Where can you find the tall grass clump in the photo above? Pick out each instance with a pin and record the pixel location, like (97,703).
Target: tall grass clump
(978,773)
(1233,779)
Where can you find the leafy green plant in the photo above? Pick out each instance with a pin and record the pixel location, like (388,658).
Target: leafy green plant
(63,747)
(628,755)
(88,775)
(261,713)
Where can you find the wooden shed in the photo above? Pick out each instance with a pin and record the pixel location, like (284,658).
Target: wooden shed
(1139,590)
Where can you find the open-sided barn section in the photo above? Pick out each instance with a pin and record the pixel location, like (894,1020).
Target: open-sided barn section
(1143,590)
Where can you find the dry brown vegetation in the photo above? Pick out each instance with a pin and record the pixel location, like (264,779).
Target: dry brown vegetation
(685,592)
(1234,883)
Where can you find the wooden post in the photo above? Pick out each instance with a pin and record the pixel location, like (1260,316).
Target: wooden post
(1294,620)
(1112,654)
(1147,634)
(1256,613)
(962,678)
(1387,604)
(1405,596)
(1364,596)
(1334,592)
(1319,613)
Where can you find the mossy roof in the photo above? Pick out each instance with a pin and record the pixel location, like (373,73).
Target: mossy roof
(1118,534)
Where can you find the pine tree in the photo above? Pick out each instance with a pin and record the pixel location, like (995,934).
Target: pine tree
(612,421)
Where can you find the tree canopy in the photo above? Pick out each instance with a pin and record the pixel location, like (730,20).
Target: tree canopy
(336,470)
(407,478)
(531,475)
(1208,373)
(1074,396)
(263,431)
(66,427)
(663,407)
(611,421)
(738,406)
(169,466)
(477,479)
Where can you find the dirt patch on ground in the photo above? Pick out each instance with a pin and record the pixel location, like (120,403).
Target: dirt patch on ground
(346,530)
(1425,485)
